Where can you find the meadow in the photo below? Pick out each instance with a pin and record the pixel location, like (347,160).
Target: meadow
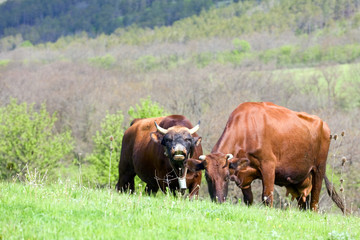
(82,88)
(68,210)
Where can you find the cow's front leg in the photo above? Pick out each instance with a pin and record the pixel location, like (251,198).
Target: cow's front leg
(268,179)
(248,195)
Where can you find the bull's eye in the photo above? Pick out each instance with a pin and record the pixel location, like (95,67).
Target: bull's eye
(188,139)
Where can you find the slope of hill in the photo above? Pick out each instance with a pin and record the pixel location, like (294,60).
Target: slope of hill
(301,54)
(40,21)
(67,210)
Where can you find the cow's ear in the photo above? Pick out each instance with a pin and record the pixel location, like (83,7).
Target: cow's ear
(195,165)
(238,163)
(197,141)
(156,137)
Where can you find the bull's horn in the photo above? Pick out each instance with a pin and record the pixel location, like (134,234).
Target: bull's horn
(194,129)
(202,157)
(160,129)
(229,156)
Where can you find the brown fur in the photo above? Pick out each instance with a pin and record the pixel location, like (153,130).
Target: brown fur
(280,144)
(141,156)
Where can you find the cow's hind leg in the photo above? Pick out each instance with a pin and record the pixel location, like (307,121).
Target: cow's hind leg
(317,179)
(268,179)
(303,205)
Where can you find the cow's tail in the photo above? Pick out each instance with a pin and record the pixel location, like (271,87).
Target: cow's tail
(335,197)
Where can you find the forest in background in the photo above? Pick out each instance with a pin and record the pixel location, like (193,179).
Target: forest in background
(303,55)
(40,21)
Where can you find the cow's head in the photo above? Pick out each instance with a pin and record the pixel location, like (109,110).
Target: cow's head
(178,142)
(217,172)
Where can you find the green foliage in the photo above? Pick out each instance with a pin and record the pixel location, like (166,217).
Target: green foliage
(40,22)
(106,61)
(147,62)
(4,62)
(241,45)
(146,109)
(98,162)
(65,211)
(26,43)
(28,138)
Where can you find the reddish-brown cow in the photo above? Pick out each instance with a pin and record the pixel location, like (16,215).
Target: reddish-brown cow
(271,143)
(156,153)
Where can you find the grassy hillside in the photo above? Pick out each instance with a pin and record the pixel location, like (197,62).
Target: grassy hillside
(303,55)
(67,210)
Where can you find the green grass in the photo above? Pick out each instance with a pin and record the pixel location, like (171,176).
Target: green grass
(68,211)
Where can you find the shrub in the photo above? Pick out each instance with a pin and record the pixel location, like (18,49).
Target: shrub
(146,109)
(96,170)
(4,62)
(28,138)
(98,162)
(26,43)
(147,63)
(106,61)
(241,45)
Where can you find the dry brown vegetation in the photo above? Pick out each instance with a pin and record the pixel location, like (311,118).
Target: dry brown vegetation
(82,93)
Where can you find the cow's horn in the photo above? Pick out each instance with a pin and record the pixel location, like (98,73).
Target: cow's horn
(202,157)
(194,129)
(228,157)
(160,129)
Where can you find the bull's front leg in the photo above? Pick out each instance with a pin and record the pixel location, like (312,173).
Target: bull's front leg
(268,180)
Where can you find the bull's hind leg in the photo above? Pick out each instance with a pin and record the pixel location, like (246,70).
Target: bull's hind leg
(126,174)
(126,182)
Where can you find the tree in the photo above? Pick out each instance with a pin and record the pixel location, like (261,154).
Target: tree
(102,164)
(29,141)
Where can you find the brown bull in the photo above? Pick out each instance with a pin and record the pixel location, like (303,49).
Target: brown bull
(274,144)
(155,150)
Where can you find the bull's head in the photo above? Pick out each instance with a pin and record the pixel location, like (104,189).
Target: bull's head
(218,171)
(178,142)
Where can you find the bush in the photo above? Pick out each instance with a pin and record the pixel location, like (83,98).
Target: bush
(241,45)
(96,170)
(107,145)
(105,62)
(4,62)
(146,109)
(28,140)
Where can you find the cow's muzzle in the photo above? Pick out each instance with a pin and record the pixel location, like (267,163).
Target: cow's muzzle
(179,152)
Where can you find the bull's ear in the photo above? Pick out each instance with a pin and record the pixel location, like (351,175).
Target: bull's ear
(238,163)
(195,165)
(197,141)
(156,137)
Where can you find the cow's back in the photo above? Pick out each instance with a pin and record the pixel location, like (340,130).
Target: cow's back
(267,131)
